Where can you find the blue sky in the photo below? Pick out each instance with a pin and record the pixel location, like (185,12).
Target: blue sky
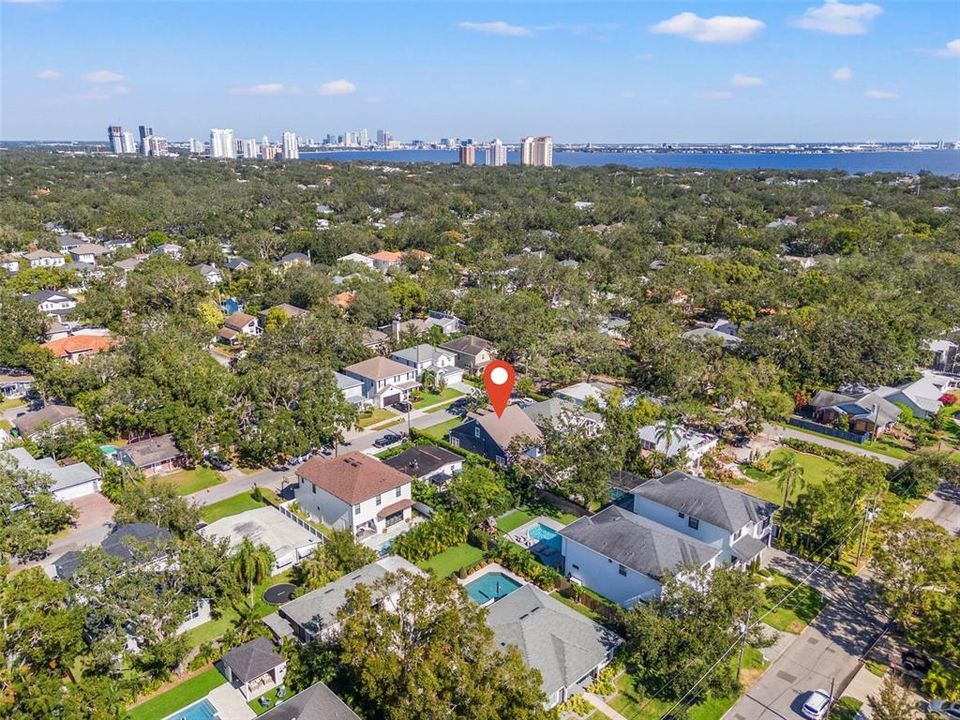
(602,72)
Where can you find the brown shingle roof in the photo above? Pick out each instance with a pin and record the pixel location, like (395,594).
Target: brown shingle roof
(238,320)
(512,424)
(378,368)
(30,422)
(353,477)
(468,344)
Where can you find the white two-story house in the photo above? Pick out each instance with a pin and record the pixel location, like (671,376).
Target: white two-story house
(691,444)
(385,382)
(53,303)
(45,258)
(354,492)
(427,358)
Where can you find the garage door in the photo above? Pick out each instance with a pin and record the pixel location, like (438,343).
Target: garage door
(391,399)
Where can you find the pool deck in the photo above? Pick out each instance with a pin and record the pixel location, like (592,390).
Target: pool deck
(547,554)
(491,568)
(229,703)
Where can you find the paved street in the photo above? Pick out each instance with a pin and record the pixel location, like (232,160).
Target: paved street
(779,432)
(943,507)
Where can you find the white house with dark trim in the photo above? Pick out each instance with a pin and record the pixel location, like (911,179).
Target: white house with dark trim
(385,382)
(427,358)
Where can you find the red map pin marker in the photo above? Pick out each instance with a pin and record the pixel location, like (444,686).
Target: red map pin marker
(498,379)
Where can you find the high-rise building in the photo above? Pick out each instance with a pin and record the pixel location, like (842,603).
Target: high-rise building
(145,132)
(129,142)
(467,154)
(156,146)
(363,138)
(496,153)
(196,146)
(383,138)
(221,143)
(115,135)
(537,151)
(291,146)
(250,149)
(350,139)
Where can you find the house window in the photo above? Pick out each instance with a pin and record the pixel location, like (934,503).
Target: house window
(680,514)
(576,567)
(694,523)
(379,500)
(501,460)
(314,489)
(737,534)
(356,509)
(476,431)
(399,491)
(622,569)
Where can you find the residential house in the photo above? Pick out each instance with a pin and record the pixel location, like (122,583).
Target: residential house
(676,441)
(472,353)
(289,541)
(447,322)
(352,389)
(48,419)
(238,327)
(52,303)
(10,263)
(739,525)
(385,382)
(492,436)
(426,462)
(946,355)
(374,339)
(238,264)
(354,492)
(722,331)
(625,557)
(568,648)
(130,263)
(169,249)
(44,258)
(867,413)
(614,327)
(581,392)
(153,456)
(67,482)
(73,347)
(290,311)
(66,243)
(385,260)
(357,258)
(254,667)
(427,358)
(562,414)
(317,702)
(88,253)
(291,259)
(15,386)
(314,614)
(210,273)
(113,244)
(921,396)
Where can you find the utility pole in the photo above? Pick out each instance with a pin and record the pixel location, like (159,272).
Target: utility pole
(743,644)
(833,681)
(869,515)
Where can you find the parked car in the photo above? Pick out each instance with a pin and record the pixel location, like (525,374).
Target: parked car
(403,406)
(326,451)
(944,709)
(817,705)
(387,439)
(217,463)
(915,663)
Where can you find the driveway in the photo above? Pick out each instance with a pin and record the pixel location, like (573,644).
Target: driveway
(779,432)
(92,526)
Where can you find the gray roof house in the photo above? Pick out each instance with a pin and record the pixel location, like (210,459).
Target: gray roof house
(580,392)
(561,413)
(69,481)
(490,436)
(427,462)
(624,556)
(153,455)
(352,388)
(47,418)
(473,353)
(317,702)
(866,413)
(254,667)
(566,647)
(121,543)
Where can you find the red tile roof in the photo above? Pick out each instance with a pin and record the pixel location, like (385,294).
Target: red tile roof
(353,477)
(74,344)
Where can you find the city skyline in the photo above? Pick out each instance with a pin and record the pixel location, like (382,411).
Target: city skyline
(658,72)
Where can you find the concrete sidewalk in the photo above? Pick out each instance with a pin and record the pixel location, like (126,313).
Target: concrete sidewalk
(600,705)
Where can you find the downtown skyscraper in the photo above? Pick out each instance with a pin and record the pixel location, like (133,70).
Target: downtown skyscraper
(291,146)
(467,154)
(496,154)
(222,144)
(537,151)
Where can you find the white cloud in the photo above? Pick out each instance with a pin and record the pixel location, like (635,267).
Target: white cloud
(716,95)
(880,94)
(842,74)
(49,75)
(338,87)
(717,29)
(739,80)
(121,90)
(497,27)
(261,89)
(839,18)
(103,76)
(950,50)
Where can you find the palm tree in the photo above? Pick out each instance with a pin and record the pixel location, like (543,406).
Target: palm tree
(666,433)
(789,474)
(251,565)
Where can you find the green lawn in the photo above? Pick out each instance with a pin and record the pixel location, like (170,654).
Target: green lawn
(798,611)
(178,697)
(431,398)
(11,403)
(377,415)
(879,447)
(512,520)
(188,482)
(846,708)
(440,430)
(233,505)
(452,559)
(270,695)
(5,424)
(764,486)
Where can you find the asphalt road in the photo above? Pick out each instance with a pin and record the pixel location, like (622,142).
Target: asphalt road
(779,432)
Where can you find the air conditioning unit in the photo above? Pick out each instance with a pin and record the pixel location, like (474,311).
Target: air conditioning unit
(576,581)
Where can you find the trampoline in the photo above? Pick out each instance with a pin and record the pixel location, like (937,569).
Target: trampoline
(279,594)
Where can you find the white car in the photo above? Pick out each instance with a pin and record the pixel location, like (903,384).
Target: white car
(817,705)
(944,709)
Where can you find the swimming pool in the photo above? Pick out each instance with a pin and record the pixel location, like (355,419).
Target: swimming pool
(203,710)
(492,586)
(545,534)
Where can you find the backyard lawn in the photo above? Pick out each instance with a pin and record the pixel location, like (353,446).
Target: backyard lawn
(178,697)
(890,449)
(377,415)
(271,695)
(188,482)
(452,559)
(514,519)
(440,430)
(430,398)
(234,505)
(798,611)
(764,485)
